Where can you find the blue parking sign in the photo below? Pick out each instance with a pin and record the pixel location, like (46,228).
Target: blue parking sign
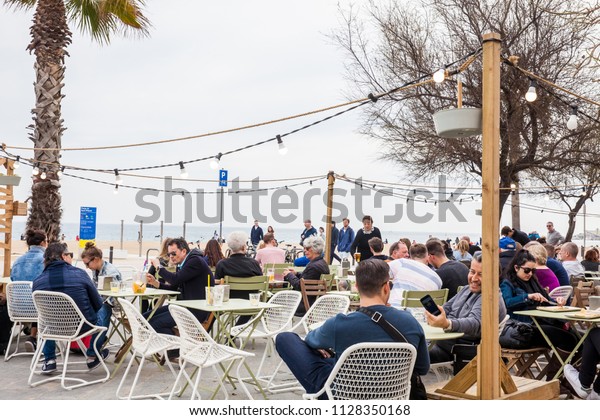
(222,178)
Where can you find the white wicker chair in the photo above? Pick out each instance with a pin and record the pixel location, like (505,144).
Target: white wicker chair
(371,371)
(561,291)
(200,350)
(60,319)
(21,309)
(146,342)
(325,307)
(272,322)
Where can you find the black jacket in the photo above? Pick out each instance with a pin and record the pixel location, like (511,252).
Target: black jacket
(190,279)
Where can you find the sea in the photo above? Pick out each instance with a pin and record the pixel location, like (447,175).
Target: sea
(202,233)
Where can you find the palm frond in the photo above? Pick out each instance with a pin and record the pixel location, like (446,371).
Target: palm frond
(20,4)
(101,18)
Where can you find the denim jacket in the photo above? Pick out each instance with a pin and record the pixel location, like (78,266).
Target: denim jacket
(29,265)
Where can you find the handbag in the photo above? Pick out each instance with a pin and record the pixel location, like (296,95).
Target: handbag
(517,335)
(417,389)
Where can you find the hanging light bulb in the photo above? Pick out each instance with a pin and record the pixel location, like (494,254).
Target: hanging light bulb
(583,192)
(531,94)
(59,173)
(118,179)
(439,76)
(572,122)
(513,186)
(43,175)
(183,174)
(216,161)
(36,170)
(282,149)
(116,190)
(16,164)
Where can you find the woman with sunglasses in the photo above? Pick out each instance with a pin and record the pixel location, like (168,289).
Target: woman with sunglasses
(92,258)
(522,291)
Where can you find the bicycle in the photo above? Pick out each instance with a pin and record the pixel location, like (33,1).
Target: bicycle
(292,253)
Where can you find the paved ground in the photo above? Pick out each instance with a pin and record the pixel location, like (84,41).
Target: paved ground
(14,375)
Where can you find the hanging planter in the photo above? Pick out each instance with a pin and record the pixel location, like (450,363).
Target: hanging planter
(458,122)
(10,180)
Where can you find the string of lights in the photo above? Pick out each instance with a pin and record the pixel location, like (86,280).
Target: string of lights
(198,191)
(215,160)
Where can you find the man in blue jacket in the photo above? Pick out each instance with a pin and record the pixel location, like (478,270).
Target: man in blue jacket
(309,360)
(60,276)
(345,238)
(256,234)
(309,230)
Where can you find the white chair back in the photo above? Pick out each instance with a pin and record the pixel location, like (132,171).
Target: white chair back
(325,307)
(194,338)
(61,320)
(145,339)
(59,317)
(21,309)
(277,319)
(371,371)
(19,301)
(561,291)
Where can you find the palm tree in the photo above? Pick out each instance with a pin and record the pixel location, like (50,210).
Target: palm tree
(50,36)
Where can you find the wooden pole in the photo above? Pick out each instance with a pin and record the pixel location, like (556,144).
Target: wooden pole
(330,182)
(488,372)
(8,218)
(515,201)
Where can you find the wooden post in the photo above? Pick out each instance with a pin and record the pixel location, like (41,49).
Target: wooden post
(488,372)
(330,182)
(140,238)
(515,201)
(7,217)
(122,221)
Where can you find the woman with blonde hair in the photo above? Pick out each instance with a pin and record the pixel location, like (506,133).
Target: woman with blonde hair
(92,258)
(545,276)
(461,253)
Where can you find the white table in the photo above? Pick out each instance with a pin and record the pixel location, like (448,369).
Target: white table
(225,316)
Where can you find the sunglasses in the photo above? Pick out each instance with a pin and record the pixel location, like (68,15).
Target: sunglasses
(528,270)
(68,254)
(171,254)
(87,264)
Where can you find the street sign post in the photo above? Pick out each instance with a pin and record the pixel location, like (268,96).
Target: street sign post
(222,183)
(87,225)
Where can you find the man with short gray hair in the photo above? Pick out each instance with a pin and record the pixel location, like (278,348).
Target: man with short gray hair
(238,264)
(568,256)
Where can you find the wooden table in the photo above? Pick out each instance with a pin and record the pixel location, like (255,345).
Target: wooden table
(562,316)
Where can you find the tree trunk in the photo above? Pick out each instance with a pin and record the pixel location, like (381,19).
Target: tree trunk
(571,229)
(50,37)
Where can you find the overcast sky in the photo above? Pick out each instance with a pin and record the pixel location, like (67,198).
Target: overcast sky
(209,66)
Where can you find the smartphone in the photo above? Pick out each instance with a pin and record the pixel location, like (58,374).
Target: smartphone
(430,305)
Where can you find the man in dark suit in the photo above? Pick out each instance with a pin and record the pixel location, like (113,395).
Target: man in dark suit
(335,234)
(256,234)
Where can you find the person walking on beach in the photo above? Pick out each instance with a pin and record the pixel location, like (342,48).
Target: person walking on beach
(345,238)
(256,234)
(361,241)
(335,234)
(309,230)
(553,237)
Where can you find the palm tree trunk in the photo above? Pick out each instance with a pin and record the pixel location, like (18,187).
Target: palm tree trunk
(50,37)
